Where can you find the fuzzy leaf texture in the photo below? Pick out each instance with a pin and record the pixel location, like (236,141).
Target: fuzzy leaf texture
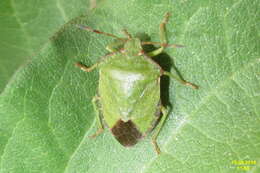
(25,25)
(46,113)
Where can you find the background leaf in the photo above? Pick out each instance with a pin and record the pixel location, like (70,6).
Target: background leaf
(25,25)
(46,112)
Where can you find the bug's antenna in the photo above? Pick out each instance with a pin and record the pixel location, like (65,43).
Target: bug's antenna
(97,31)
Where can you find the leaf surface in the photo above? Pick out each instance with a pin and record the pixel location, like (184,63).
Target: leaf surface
(26,25)
(46,113)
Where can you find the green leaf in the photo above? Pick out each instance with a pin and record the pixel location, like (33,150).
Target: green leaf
(25,25)
(46,113)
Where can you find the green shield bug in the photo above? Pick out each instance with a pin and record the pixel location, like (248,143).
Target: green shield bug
(129,88)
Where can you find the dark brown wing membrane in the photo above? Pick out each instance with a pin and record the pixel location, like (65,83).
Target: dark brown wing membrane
(126,133)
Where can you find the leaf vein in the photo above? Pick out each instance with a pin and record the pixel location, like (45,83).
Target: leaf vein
(213,92)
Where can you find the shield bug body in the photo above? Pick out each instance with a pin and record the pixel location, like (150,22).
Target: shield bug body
(128,99)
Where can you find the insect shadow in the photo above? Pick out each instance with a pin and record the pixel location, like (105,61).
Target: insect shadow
(166,62)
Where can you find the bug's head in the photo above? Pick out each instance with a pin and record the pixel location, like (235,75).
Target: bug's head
(133,46)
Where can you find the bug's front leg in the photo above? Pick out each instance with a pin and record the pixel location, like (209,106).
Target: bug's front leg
(162,30)
(89,69)
(97,108)
(115,46)
(163,39)
(86,68)
(158,128)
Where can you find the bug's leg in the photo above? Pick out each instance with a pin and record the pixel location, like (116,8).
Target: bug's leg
(163,38)
(98,117)
(158,43)
(158,128)
(127,33)
(115,46)
(179,79)
(86,68)
(162,30)
(89,69)
(155,52)
(118,44)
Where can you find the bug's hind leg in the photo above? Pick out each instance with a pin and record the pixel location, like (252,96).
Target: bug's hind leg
(158,128)
(97,108)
